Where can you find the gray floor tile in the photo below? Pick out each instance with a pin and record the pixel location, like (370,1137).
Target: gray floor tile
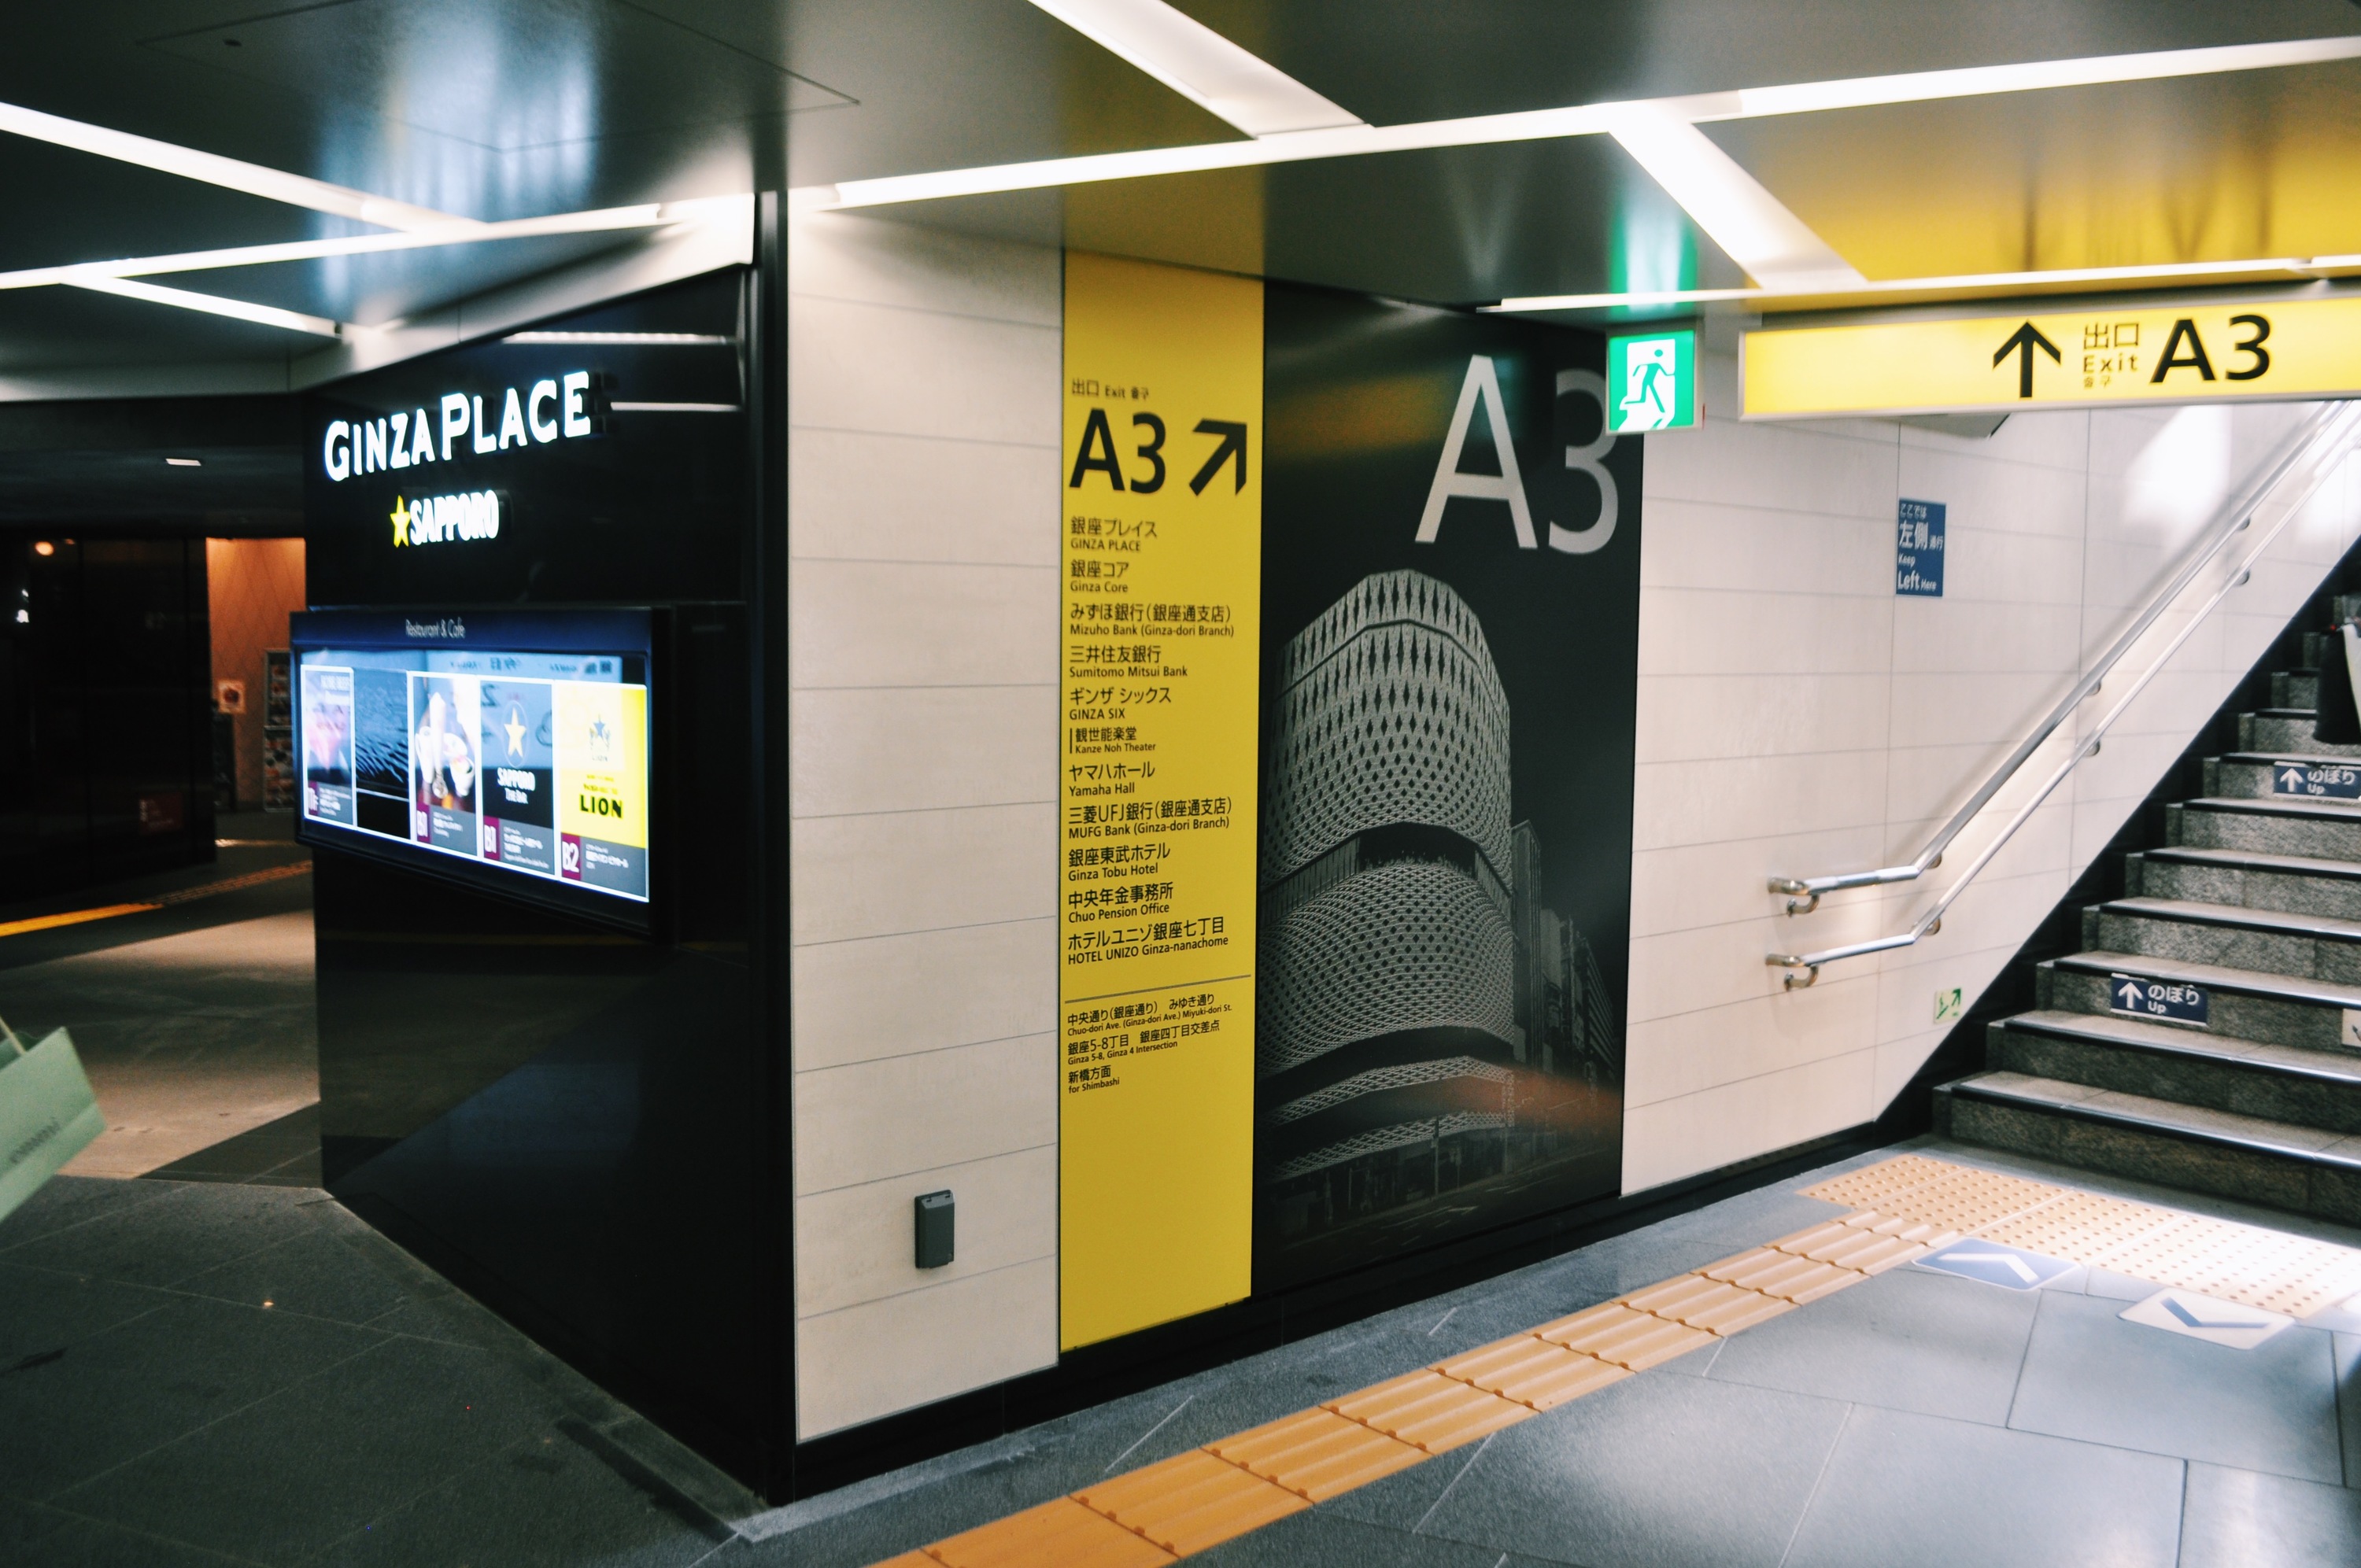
(2089,1374)
(1408,1499)
(64,1201)
(286,1476)
(1905,1340)
(144,1383)
(191,1228)
(1915,1489)
(550,1501)
(42,1311)
(1318,1539)
(1653,1472)
(2243,1519)
(313,1273)
(88,1544)
(24,1526)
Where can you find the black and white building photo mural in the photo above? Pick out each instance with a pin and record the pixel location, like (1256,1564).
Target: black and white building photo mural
(1450,628)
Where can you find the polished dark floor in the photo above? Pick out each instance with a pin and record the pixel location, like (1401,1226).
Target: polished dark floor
(219,1373)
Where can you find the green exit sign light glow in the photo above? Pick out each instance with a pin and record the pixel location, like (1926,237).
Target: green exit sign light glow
(1652,380)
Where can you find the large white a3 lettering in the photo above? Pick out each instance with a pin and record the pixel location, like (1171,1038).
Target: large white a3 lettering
(1482,383)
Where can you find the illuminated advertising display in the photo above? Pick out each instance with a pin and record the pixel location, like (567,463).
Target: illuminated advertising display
(505,744)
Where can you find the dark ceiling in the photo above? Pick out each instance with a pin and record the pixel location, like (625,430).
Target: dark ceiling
(498,109)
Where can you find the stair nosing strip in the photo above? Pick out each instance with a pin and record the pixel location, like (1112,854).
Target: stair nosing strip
(2285,923)
(2255,859)
(2322,1074)
(2289,989)
(2302,807)
(2102,1117)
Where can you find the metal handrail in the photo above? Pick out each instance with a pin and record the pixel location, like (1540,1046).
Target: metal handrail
(2234,519)
(2339,420)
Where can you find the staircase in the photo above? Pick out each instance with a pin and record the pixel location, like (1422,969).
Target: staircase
(2209,1036)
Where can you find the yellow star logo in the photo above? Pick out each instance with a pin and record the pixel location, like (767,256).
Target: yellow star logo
(403,518)
(516,728)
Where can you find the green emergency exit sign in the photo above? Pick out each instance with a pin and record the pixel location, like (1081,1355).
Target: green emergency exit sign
(1652,380)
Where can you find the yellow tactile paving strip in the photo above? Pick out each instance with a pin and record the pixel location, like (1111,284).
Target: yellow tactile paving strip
(1901,1209)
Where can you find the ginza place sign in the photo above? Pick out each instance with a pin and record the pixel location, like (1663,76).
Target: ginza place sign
(549,410)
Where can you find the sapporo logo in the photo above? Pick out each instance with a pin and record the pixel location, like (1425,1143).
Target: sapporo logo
(1482,385)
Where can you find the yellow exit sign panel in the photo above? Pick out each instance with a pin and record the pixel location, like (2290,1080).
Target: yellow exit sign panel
(2171,353)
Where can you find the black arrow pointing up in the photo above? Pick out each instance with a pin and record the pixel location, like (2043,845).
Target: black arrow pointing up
(2023,341)
(1233,433)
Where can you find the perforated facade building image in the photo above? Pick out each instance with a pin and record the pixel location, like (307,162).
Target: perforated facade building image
(1422,1018)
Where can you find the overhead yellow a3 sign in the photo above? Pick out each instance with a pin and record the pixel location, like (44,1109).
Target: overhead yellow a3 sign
(2057,359)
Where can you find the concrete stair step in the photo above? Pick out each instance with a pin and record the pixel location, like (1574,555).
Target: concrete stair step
(2163,1061)
(2242,1004)
(2274,728)
(2252,775)
(2314,947)
(2304,1171)
(2297,883)
(2295,688)
(2326,830)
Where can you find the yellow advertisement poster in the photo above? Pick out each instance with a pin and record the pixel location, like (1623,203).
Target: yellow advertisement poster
(1162,522)
(601,754)
(2095,356)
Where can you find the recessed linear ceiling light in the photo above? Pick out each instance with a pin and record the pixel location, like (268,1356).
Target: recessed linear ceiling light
(295,189)
(211,304)
(2293,267)
(651,216)
(184,462)
(1201,65)
(620,338)
(1536,125)
(1751,226)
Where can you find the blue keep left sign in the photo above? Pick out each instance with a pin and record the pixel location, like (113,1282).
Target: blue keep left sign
(1918,549)
(2010,1267)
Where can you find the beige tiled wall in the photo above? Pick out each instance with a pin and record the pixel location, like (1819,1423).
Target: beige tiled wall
(1796,718)
(923,532)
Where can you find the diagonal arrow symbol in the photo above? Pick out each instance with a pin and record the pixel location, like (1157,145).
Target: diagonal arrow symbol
(2193,1320)
(2015,1263)
(2022,343)
(1233,433)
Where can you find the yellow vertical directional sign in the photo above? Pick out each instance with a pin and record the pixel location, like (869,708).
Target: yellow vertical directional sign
(1162,592)
(2092,356)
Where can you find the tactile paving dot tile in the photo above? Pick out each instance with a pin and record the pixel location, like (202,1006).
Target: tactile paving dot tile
(1429,1411)
(1969,1200)
(1317,1454)
(1064,1532)
(1615,1332)
(1189,1502)
(1864,1188)
(1533,1372)
(2079,1224)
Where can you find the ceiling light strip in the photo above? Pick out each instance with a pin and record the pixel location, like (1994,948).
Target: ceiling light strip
(611,218)
(211,304)
(1199,64)
(277,185)
(2293,267)
(1536,125)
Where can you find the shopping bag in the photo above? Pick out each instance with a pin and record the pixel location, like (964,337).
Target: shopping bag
(48,1113)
